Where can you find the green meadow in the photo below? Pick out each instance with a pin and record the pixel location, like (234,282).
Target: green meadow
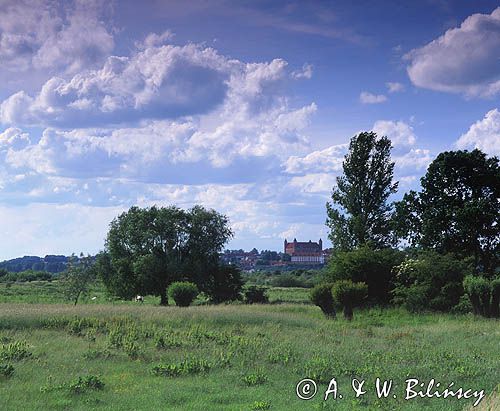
(113,355)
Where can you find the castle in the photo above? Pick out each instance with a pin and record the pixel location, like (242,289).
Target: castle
(305,252)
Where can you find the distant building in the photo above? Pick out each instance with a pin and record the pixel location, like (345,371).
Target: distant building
(305,252)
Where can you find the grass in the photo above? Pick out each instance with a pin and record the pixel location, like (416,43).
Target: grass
(233,357)
(36,292)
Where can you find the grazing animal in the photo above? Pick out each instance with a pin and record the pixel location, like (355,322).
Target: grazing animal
(139,298)
(94,298)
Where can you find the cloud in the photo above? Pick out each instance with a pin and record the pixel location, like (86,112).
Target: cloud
(14,138)
(369,98)
(157,82)
(415,159)
(400,133)
(394,87)
(327,160)
(167,81)
(483,134)
(235,144)
(306,72)
(462,60)
(55,35)
(317,169)
(313,183)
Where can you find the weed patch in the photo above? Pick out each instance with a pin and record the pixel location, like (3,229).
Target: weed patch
(188,366)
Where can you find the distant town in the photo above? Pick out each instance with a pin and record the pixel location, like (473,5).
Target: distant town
(294,253)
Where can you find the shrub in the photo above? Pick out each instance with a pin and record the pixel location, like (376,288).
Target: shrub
(131,347)
(183,293)
(256,295)
(168,341)
(321,295)
(224,285)
(349,294)
(430,281)
(372,267)
(14,351)
(89,382)
(253,379)
(484,295)
(261,405)
(189,366)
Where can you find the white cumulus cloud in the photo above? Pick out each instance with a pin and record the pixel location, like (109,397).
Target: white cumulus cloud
(57,35)
(400,133)
(483,134)
(463,60)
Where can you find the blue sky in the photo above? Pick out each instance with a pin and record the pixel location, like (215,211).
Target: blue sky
(245,107)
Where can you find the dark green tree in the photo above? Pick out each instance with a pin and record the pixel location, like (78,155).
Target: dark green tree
(149,248)
(373,267)
(458,209)
(359,213)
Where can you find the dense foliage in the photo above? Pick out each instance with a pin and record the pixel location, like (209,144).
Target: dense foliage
(430,281)
(458,209)
(148,249)
(255,295)
(372,267)
(294,278)
(321,295)
(49,263)
(183,293)
(24,276)
(349,295)
(359,212)
(484,295)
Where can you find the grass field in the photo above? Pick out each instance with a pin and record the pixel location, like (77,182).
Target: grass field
(126,356)
(36,292)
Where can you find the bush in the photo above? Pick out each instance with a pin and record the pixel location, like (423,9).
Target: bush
(484,295)
(25,276)
(430,281)
(372,267)
(224,285)
(257,378)
(321,295)
(256,295)
(188,366)
(349,294)
(183,293)
(89,382)
(14,351)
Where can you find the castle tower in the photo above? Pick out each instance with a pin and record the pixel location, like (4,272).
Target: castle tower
(320,242)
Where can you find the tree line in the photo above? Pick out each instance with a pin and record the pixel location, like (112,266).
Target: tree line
(437,248)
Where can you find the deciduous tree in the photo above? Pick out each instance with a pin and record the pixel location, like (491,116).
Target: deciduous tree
(359,213)
(458,209)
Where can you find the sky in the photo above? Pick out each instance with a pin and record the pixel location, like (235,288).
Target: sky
(246,107)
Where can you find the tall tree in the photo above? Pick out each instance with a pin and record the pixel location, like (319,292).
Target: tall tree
(359,213)
(458,209)
(147,249)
